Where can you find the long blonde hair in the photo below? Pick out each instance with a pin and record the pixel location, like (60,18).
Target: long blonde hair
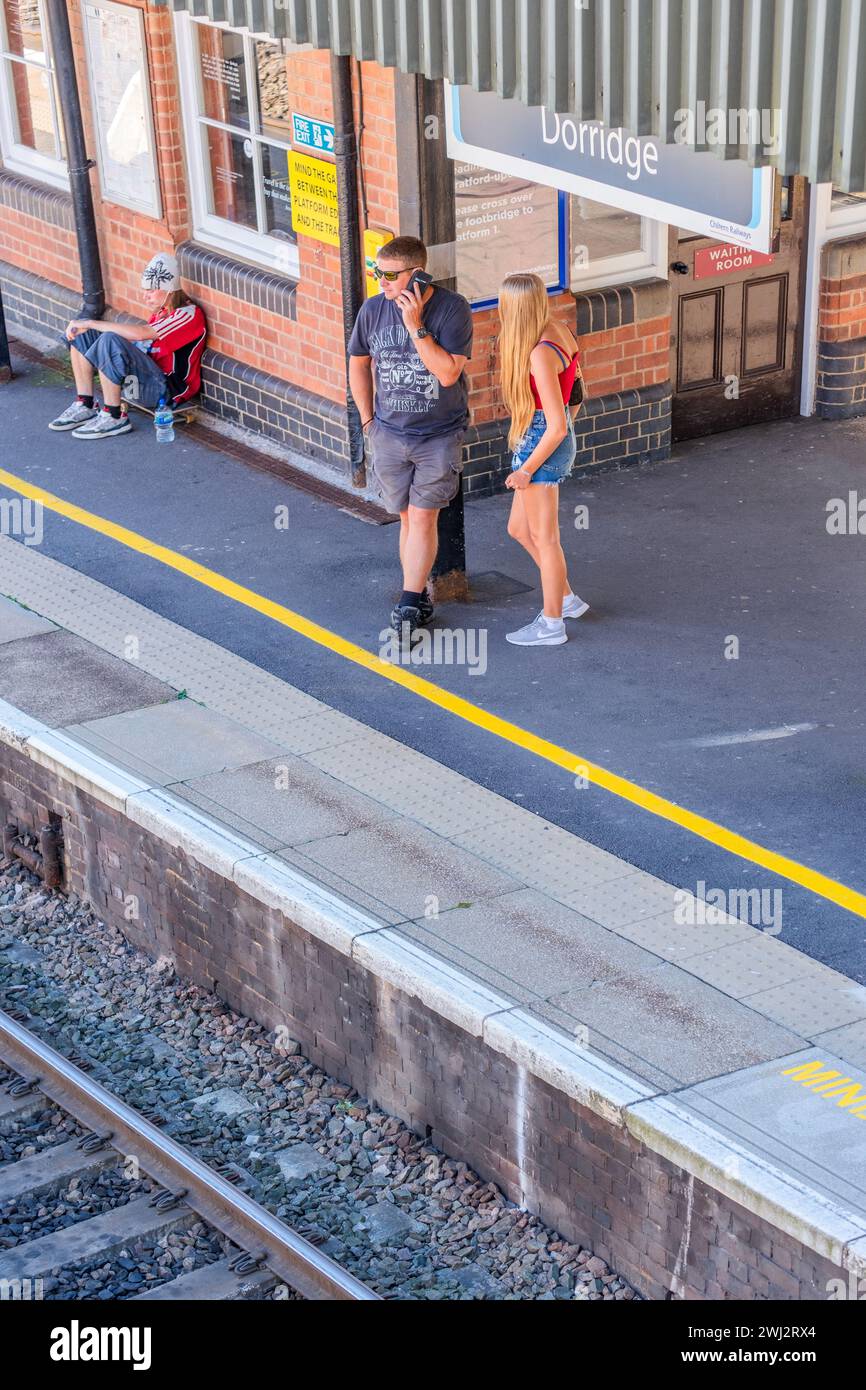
(524,313)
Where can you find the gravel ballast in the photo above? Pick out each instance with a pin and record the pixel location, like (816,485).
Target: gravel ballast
(383,1202)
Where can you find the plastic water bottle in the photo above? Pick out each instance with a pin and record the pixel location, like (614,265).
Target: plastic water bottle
(164,423)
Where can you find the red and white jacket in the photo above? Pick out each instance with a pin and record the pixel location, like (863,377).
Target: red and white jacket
(177,348)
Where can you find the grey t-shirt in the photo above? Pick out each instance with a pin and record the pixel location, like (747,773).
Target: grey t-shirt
(409,398)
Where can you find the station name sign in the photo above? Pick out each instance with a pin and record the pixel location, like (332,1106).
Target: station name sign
(724,199)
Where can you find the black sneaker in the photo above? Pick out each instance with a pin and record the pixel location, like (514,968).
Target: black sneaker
(425,608)
(405,621)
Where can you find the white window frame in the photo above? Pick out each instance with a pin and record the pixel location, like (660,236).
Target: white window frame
(213,231)
(649,263)
(845,221)
(18,158)
(825,225)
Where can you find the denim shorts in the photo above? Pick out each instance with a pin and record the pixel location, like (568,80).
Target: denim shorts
(122,361)
(558,466)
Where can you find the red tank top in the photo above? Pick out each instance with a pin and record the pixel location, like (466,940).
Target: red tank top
(566,376)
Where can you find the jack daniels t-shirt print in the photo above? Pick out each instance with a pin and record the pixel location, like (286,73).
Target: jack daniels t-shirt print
(409,398)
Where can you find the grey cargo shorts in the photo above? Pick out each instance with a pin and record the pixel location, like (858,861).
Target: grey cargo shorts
(121,360)
(415,472)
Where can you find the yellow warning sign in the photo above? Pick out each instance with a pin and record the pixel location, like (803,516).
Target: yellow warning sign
(374,240)
(313,184)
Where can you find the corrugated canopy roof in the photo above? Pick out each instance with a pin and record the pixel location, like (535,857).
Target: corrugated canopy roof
(629,63)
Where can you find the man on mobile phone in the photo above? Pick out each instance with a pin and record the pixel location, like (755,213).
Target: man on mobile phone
(416,338)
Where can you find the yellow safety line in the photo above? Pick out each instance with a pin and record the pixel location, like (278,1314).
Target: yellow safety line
(705,829)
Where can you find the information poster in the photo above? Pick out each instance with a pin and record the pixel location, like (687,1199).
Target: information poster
(120,88)
(504,225)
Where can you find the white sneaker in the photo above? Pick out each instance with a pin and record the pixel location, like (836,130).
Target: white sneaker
(574,607)
(541,632)
(102,426)
(74,415)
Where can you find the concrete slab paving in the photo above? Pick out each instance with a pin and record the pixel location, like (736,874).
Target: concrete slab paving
(673,940)
(336,883)
(435,796)
(408,868)
(172,743)
(818,1002)
(743,968)
(172,653)
(543,855)
(667,1027)
(283,802)
(17,621)
(626,898)
(849,1043)
(792,1124)
(61,679)
(528,945)
(309,733)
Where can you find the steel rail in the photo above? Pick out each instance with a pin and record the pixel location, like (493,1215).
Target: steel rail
(243,1221)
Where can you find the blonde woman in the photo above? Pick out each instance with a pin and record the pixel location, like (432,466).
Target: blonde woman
(539,364)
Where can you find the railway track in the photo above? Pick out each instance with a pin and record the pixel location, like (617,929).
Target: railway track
(266,1254)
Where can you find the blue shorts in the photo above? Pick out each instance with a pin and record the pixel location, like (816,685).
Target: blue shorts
(121,361)
(555,469)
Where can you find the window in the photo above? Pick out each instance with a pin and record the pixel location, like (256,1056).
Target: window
(847,214)
(31,130)
(506,223)
(238,121)
(609,245)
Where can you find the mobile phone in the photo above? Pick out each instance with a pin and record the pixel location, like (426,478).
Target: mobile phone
(422,279)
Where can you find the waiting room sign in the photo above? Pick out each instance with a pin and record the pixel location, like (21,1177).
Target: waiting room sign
(714,261)
(724,199)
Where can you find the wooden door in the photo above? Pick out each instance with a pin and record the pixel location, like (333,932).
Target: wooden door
(736,325)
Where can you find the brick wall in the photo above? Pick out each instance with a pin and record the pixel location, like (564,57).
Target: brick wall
(841,373)
(293,350)
(588,1177)
(307,350)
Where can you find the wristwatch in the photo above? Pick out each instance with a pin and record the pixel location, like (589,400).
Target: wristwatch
(421,333)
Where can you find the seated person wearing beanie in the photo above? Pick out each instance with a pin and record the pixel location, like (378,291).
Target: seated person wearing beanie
(157,360)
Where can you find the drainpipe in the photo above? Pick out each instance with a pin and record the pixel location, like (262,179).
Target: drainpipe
(351,264)
(5,359)
(93,303)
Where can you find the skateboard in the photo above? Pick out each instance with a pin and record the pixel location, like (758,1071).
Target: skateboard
(184,414)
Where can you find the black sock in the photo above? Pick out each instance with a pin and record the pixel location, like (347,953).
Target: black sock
(114,411)
(410,599)
(87,400)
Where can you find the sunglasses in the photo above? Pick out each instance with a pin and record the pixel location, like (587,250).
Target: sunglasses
(391,275)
